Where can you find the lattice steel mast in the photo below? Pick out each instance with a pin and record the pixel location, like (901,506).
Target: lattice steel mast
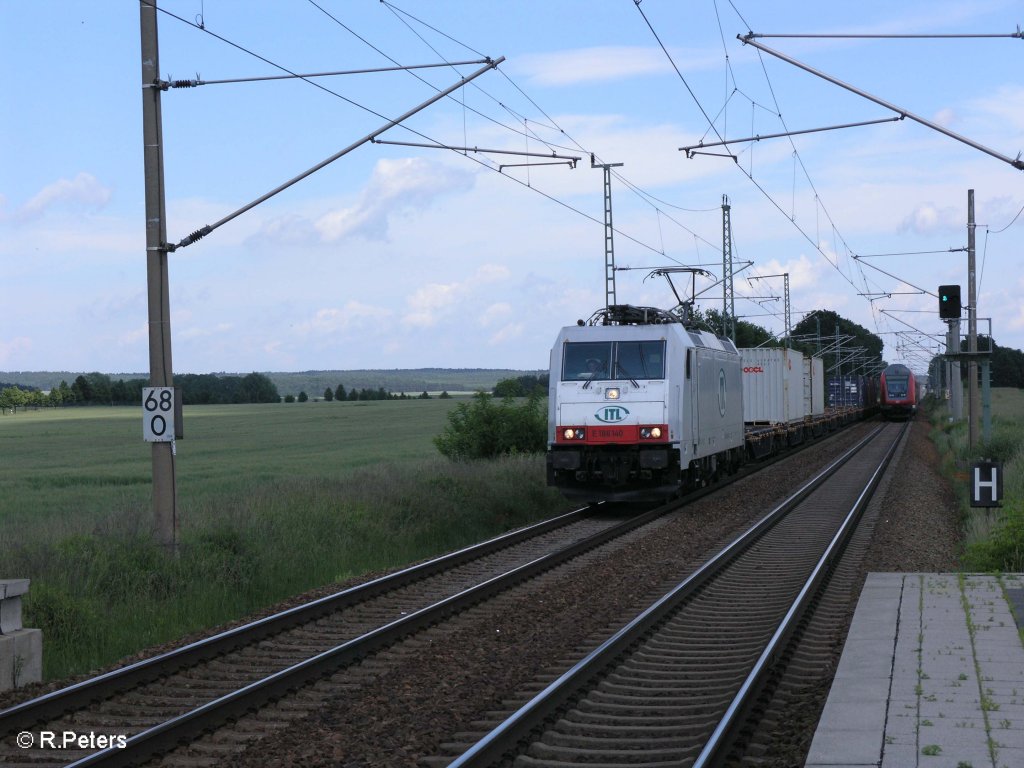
(728,295)
(609,243)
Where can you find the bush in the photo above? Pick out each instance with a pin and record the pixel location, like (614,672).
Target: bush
(483,430)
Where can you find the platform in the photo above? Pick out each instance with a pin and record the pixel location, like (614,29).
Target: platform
(932,675)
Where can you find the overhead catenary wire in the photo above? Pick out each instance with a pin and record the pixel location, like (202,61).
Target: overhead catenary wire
(748,174)
(308,75)
(205,230)
(552,125)
(1017,163)
(866,283)
(522,133)
(890,36)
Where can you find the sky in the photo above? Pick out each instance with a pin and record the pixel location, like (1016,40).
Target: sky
(396,256)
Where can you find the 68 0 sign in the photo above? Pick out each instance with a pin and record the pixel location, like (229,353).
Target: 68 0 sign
(158,414)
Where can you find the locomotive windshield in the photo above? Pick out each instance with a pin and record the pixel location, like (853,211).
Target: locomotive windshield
(607,360)
(896,386)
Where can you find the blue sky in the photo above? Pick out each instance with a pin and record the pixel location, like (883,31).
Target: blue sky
(402,257)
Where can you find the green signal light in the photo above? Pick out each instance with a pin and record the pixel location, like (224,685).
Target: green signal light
(949,302)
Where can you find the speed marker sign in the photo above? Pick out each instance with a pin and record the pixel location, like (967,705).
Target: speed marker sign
(158,414)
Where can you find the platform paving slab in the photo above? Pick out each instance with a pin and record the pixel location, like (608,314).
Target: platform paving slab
(931,675)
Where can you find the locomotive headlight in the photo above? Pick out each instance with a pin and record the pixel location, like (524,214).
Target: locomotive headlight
(574,433)
(612,393)
(655,432)
(650,433)
(569,434)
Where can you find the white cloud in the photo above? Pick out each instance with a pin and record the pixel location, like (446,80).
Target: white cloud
(510,332)
(436,300)
(354,314)
(803,273)
(603,64)
(495,313)
(202,333)
(291,229)
(945,117)
(1004,107)
(1016,321)
(132,337)
(9,350)
(929,219)
(396,185)
(84,190)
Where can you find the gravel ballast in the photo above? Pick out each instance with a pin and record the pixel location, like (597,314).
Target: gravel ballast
(441,691)
(431,695)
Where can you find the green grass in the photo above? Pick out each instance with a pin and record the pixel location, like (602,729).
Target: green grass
(70,465)
(994,538)
(274,499)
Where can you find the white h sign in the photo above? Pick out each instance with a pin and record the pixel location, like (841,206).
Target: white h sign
(986,484)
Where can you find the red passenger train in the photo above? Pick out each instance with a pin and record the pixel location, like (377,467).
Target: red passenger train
(897,395)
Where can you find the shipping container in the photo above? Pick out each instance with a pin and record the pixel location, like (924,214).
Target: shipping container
(814,386)
(808,387)
(773,385)
(847,391)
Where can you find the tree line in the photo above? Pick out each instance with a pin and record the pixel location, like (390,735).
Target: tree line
(1007,364)
(341,394)
(522,386)
(101,389)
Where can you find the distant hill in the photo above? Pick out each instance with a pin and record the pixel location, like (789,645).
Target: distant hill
(313,383)
(46,380)
(414,380)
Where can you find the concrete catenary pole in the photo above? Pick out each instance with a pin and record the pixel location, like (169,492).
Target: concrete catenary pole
(973,395)
(164,491)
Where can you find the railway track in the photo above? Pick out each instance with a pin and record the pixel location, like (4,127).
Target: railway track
(674,686)
(159,703)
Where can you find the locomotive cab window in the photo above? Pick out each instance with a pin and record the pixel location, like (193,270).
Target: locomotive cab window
(608,360)
(897,386)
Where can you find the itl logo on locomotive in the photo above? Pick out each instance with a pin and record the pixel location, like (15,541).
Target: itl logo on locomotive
(612,414)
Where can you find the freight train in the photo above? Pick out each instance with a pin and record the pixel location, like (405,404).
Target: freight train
(897,392)
(643,407)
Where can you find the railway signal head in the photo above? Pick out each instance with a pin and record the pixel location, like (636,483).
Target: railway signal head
(949,302)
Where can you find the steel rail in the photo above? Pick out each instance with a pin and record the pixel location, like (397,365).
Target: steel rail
(169,734)
(70,698)
(75,696)
(166,736)
(725,730)
(502,740)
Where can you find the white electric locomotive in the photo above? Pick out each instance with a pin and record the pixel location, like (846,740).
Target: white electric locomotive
(641,406)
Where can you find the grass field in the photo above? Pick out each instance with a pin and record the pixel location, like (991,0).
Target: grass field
(994,538)
(273,500)
(68,465)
